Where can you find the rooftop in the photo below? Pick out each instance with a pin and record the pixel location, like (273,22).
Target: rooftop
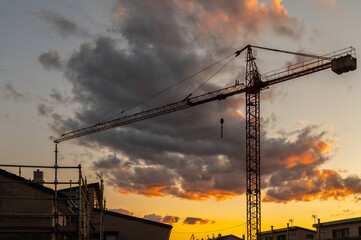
(337,222)
(285,230)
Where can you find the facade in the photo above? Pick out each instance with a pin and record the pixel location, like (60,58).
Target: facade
(340,230)
(291,233)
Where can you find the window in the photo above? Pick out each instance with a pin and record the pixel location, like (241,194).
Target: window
(268,238)
(342,232)
(359,231)
(345,232)
(281,237)
(309,236)
(110,235)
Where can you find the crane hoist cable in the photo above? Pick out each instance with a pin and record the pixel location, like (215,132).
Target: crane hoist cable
(177,83)
(214,74)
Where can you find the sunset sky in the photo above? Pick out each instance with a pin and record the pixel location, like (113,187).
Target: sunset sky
(69,64)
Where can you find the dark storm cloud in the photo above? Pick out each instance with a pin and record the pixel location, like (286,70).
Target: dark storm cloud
(181,154)
(193,221)
(63,26)
(7,91)
(44,110)
(58,97)
(50,60)
(107,163)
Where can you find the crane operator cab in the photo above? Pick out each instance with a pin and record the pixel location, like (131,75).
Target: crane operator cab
(257,78)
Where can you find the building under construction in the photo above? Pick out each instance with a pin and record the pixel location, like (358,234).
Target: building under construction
(29,211)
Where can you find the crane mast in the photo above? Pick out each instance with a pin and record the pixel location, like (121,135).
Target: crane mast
(339,61)
(253,150)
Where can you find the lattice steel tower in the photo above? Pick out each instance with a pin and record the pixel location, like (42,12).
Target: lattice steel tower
(253,78)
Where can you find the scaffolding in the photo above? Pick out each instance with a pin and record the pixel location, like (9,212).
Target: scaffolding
(50,213)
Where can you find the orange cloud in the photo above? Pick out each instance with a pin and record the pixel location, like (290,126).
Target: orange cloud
(333,139)
(218,195)
(250,16)
(240,113)
(151,192)
(323,147)
(161,191)
(277,7)
(305,158)
(320,147)
(322,185)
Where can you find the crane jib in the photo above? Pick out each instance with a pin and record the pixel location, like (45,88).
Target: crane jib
(340,61)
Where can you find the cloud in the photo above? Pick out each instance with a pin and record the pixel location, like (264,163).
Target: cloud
(181,155)
(50,60)
(44,110)
(170,219)
(122,211)
(153,217)
(295,175)
(108,162)
(297,59)
(320,184)
(58,97)
(158,218)
(63,26)
(326,4)
(200,221)
(7,91)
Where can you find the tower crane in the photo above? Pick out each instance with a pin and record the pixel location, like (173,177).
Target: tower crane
(339,61)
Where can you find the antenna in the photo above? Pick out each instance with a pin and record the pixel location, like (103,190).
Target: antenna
(291,221)
(314,216)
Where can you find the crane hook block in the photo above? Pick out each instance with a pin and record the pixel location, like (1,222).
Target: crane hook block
(221,121)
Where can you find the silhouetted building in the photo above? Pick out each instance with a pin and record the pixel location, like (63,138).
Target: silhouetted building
(227,237)
(349,229)
(291,233)
(27,212)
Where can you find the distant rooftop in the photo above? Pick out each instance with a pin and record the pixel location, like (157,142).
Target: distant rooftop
(343,221)
(285,230)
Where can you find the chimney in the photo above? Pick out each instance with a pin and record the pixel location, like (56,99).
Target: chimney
(219,235)
(39,177)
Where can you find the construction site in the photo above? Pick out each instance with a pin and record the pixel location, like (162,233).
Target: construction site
(38,209)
